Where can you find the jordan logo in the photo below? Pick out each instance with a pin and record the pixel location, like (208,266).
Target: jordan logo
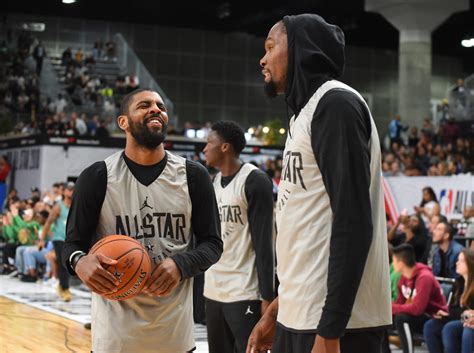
(145,204)
(248,311)
(118,275)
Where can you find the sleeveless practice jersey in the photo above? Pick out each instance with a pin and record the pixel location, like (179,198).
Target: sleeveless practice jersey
(159,217)
(234,277)
(304,220)
(59,230)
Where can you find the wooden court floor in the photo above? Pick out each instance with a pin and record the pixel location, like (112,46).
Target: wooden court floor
(27,329)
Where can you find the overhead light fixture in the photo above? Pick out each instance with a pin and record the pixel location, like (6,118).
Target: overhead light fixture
(468,43)
(69,1)
(266,129)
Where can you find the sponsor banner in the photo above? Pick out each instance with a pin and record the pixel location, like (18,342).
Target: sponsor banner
(172,143)
(454,193)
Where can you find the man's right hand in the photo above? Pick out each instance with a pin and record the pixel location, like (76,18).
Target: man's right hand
(261,338)
(91,272)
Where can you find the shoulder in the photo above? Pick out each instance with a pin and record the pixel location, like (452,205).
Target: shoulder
(342,109)
(340,97)
(196,171)
(258,176)
(94,172)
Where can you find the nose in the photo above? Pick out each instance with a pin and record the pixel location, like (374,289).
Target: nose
(205,149)
(263,61)
(155,109)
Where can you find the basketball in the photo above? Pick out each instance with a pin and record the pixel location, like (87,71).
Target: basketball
(133,268)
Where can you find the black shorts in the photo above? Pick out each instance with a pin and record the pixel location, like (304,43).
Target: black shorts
(229,324)
(286,341)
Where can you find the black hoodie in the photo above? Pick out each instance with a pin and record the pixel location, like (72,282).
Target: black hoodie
(340,135)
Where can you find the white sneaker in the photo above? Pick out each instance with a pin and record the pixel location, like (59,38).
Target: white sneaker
(13,274)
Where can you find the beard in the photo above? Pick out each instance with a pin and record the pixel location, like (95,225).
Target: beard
(270,89)
(145,136)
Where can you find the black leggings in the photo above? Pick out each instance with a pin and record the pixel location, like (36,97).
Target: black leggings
(63,274)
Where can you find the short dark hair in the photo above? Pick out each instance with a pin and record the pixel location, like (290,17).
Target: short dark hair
(406,254)
(448,228)
(442,218)
(231,133)
(125,104)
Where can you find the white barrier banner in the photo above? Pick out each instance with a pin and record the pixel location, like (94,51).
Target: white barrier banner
(454,193)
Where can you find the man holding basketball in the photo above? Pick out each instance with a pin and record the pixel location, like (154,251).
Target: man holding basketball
(161,200)
(332,256)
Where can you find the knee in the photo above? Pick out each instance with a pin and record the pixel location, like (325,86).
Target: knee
(429,328)
(400,319)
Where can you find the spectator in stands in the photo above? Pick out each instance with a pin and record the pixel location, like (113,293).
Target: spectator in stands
(39,54)
(26,228)
(413,138)
(132,83)
(395,129)
(66,57)
(445,333)
(81,125)
(35,256)
(419,295)
(5,168)
(412,231)
(394,275)
(450,131)
(429,205)
(60,104)
(446,252)
(97,50)
(10,237)
(58,217)
(79,56)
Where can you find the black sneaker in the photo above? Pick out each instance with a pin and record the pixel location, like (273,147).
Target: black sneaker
(28,278)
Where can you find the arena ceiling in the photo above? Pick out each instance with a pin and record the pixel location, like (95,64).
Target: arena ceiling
(256,17)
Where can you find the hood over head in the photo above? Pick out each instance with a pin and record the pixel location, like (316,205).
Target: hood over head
(315,55)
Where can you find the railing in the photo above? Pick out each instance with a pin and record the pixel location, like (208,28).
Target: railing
(128,61)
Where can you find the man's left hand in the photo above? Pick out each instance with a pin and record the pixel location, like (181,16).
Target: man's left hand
(164,279)
(324,345)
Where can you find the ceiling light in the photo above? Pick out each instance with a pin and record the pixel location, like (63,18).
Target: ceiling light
(69,1)
(266,129)
(468,43)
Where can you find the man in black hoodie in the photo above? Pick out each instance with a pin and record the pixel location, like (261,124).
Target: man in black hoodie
(334,293)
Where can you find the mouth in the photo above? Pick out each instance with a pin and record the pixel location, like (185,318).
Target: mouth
(266,75)
(155,121)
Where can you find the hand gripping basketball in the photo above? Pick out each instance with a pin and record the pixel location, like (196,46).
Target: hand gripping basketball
(90,269)
(117,267)
(164,279)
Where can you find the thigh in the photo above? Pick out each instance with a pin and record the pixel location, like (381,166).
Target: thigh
(219,336)
(362,342)
(292,342)
(241,318)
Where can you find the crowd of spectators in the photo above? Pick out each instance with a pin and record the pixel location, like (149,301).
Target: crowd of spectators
(19,82)
(433,151)
(24,255)
(425,249)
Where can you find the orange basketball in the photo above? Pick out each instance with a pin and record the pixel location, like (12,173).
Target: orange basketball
(133,268)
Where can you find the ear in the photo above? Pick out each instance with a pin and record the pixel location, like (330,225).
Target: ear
(122,121)
(225,147)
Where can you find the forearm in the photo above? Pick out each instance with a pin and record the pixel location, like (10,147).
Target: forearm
(272,309)
(198,260)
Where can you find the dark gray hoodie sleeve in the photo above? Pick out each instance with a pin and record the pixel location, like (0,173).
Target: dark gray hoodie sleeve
(340,139)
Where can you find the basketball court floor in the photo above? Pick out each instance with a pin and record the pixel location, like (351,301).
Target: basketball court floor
(33,319)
